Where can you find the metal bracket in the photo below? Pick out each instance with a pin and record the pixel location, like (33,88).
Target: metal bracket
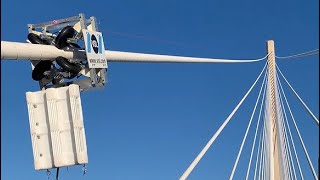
(96,78)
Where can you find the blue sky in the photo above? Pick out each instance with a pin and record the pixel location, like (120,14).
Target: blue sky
(151,120)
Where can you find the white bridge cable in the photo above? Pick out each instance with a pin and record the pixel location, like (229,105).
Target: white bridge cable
(207,146)
(256,132)
(258,154)
(247,130)
(288,135)
(263,152)
(300,138)
(267,157)
(285,147)
(291,138)
(285,169)
(26,51)
(263,141)
(263,156)
(286,132)
(308,53)
(290,159)
(267,127)
(304,105)
(265,166)
(117,56)
(290,169)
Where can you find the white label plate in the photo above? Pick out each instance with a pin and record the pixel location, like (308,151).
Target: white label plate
(95,51)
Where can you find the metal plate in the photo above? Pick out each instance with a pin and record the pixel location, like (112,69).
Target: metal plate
(95,49)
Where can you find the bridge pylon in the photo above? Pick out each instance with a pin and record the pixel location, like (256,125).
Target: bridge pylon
(272,127)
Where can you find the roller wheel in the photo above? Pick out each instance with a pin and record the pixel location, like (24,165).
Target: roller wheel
(39,69)
(65,33)
(35,39)
(68,66)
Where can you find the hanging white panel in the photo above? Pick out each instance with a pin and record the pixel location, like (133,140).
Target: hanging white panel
(39,128)
(61,114)
(60,126)
(78,126)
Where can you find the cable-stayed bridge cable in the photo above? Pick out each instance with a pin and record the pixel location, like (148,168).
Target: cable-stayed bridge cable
(285,149)
(266,161)
(117,56)
(308,53)
(287,129)
(304,105)
(290,134)
(256,132)
(300,138)
(263,154)
(282,143)
(257,171)
(247,130)
(207,146)
(258,153)
(26,51)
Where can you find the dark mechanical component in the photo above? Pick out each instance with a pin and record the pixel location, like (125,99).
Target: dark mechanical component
(65,33)
(35,39)
(56,81)
(68,66)
(39,69)
(42,66)
(74,45)
(71,76)
(60,42)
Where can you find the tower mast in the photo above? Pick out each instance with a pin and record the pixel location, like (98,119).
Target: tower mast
(272,128)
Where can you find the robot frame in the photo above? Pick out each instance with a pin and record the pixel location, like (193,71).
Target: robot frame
(66,34)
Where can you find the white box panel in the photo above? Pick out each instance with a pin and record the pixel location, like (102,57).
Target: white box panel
(57,129)
(39,128)
(78,126)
